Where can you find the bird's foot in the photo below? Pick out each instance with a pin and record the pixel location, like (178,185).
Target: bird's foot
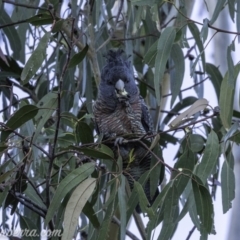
(120,141)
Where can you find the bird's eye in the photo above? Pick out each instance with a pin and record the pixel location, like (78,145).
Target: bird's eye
(109,82)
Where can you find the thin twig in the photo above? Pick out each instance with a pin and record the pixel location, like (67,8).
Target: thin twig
(26,139)
(24,5)
(128,233)
(29,205)
(191,232)
(15,102)
(134,38)
(114,26)
(58,113)
(188,88)
(26,199)
(210,26)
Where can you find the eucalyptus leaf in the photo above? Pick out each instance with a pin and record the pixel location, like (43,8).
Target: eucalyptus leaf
(164,47)
(36,59)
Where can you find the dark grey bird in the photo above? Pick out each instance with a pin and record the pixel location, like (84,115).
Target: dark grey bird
(120,110)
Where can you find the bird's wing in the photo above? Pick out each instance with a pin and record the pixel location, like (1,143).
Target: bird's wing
(146,117)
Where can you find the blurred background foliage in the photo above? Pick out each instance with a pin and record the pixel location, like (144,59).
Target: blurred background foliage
(56,173)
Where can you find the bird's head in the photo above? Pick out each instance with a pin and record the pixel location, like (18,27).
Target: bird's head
(117,78)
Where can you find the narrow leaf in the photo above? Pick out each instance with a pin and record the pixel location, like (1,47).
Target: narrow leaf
(215,76)
(36,59)
(231,72)
(89,212)
(58,25)
(11,33)
(143,2)
(47,106)
(217,10)
(150,56)
(188,101)
(84,133)
(171,212)
(75,205)
(165,43)
(77,58)
(228,186)
(122,208)
(238,18)
(20,117)
(196,142)
(41,19)
(104,229)
(204,205)
(231,8)
(178,74)
(204,31)
(68,183)
(199,105)
(143,201)
(196,34)
(210,157)
(226,98)
(102,151)
(27,224)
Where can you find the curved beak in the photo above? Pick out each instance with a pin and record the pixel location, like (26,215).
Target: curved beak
(119,86)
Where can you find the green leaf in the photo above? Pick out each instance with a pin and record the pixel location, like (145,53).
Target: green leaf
(238,18)
(31,193)
(20,117)
(36,59)
(231,8)
(228,186)
(226,98)
(75,205)
(47,105)
(204,31)
(84,133)
(104,229)
(210,157)
(231,72)
(11,33)
(204,205)
(134,199)
(41,19)
(102,151)
(219,7)
(89,212)
(157,171)
(178,73)
(4,176)
(28,224)
(196,34)
(151,54)
(179,106)
(143,201)
(185,164)
(196,142)
(58,25)
(164,47)
(77,58)
(143,2)
(199,105)
(122,208)
(68,183)
(171,212)
(215,76)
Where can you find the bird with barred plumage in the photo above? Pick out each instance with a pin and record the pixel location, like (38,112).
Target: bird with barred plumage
(120,110)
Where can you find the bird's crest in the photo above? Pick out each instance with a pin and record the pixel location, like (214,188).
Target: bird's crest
(115,58)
